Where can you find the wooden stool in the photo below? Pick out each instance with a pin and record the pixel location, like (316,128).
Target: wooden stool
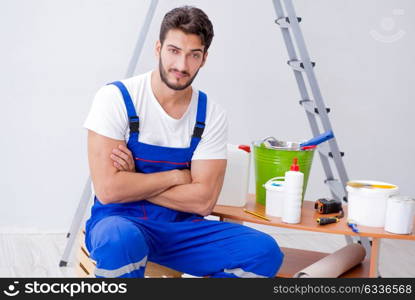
(85,266)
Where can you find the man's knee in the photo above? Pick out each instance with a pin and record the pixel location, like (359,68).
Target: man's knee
(270,252)
(116,233)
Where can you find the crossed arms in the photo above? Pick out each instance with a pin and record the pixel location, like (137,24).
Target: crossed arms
(194,191)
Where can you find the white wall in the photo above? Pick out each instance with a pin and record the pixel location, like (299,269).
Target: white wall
(56,54)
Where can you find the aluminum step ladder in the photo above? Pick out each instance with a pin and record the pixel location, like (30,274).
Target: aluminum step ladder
(315,108)
(303,68)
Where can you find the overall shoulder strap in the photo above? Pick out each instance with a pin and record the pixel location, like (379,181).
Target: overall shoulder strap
(200,120)
(134,121)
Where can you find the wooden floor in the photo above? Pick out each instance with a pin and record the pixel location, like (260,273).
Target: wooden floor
(38,255)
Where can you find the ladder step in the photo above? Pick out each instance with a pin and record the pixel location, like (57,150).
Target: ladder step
(298,64)
(309,106)
(284,22)
(331,154)
(325,150)
(337,188)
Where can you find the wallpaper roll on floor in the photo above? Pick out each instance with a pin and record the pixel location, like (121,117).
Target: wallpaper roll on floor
(335,264)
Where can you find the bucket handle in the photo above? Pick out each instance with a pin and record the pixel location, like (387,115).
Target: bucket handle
(269,138)
(279,178)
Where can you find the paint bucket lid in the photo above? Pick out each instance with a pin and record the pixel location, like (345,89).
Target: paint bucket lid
(372,190)
(402,199)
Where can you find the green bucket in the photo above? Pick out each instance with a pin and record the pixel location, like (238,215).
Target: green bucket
(271,162)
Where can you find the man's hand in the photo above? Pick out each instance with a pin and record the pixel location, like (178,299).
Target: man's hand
(123,160)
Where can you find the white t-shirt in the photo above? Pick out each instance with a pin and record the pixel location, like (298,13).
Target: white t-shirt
(108,117)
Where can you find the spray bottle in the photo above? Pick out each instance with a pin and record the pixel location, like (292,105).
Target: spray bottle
(293,194)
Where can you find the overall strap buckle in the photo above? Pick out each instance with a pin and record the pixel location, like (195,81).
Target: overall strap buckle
(134,124)
(198,130)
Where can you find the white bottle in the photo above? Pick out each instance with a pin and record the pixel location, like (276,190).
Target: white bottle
(293,186)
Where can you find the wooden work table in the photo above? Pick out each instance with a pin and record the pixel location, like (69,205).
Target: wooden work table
(296,259)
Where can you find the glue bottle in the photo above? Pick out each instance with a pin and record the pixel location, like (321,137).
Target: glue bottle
(293,186)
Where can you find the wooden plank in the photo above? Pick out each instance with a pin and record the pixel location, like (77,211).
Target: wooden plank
(308,220)
(156,270)
(296,260)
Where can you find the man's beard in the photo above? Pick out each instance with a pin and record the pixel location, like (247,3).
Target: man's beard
(176,87)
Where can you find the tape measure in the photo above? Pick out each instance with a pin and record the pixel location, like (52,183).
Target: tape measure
(328,206)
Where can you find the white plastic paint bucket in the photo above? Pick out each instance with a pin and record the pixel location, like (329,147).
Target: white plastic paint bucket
(400,214)
(274,196)
(367,206)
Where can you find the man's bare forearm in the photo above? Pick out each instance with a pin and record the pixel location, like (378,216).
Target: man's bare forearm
(129,186)
(194,198)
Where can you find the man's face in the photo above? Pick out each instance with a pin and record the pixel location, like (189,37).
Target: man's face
(180,58)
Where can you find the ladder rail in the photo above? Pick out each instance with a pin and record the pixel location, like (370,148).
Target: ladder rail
(141,38)
(76,222)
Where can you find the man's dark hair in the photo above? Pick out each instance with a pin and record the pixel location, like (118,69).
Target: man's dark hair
(190,20)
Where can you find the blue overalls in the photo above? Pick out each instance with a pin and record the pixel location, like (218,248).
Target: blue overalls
(122,237)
